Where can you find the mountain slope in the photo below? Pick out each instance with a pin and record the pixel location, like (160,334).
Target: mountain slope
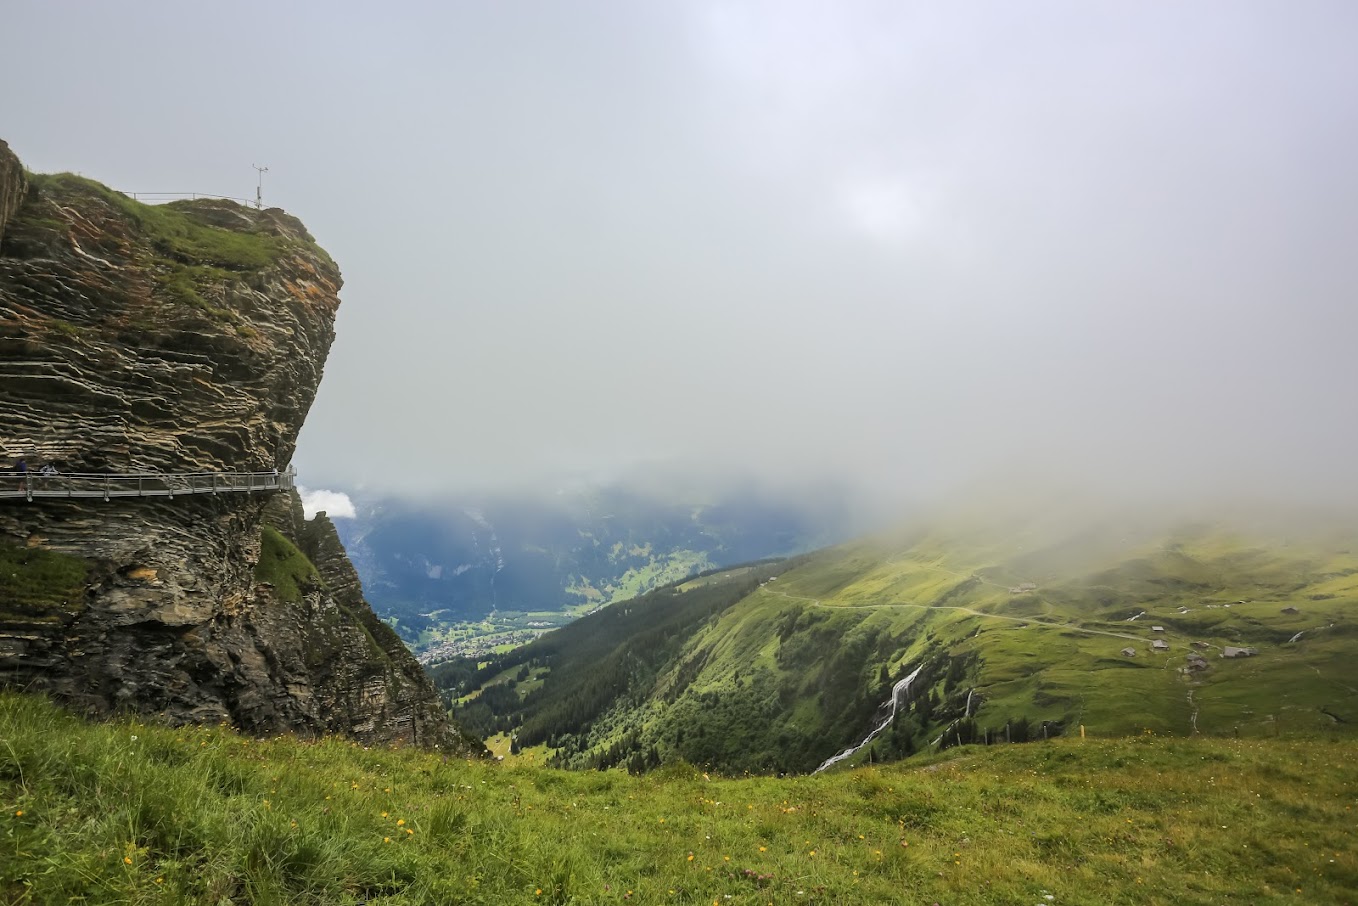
(1013,634)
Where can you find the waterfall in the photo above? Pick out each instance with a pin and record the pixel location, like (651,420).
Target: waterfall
(898,694)
(967,711)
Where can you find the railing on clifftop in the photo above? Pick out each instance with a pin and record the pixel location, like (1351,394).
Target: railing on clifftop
(163,197)
(142,484)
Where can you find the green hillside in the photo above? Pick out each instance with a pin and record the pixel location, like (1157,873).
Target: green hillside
(1016,634)
(136,814)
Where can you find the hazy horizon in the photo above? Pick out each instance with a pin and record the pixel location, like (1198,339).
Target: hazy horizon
(899,246)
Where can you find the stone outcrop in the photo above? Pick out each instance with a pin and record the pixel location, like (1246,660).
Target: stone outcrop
(178,338)
(13,185)
(366,677)
(187,337)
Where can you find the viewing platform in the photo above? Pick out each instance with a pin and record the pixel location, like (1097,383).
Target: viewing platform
(28,485)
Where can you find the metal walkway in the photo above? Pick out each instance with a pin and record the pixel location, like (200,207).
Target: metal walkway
(144,484)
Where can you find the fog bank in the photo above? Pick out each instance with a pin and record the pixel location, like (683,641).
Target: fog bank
(906,246)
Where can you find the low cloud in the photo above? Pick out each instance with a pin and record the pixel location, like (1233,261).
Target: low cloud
(335,504)
(921,248)
(882,209)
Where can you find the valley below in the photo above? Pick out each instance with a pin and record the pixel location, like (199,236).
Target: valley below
(476,575)
(1006,635)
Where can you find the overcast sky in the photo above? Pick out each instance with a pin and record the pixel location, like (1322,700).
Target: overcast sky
(913,243)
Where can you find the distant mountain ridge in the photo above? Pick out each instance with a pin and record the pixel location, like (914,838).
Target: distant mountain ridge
(505,567)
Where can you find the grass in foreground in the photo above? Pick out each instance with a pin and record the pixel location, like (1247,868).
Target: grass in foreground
(130,813)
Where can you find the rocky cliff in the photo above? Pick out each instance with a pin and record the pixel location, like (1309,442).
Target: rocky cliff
(13,185)
(177,338)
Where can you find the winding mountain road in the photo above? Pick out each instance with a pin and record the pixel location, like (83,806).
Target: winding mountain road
(976,613)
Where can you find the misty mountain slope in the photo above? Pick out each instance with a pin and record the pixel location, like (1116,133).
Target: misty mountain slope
(463,575)
(1030,636)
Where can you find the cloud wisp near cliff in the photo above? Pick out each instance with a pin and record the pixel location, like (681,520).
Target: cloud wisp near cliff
(904,243)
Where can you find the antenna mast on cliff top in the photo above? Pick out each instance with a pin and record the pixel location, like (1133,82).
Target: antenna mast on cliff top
(259,188)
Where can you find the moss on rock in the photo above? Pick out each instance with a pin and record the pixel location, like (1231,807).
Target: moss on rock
(40,585)
(283,566)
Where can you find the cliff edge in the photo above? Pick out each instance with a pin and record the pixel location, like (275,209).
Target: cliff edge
(186,337)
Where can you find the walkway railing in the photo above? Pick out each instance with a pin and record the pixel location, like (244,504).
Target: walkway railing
(141,484)
(162,197)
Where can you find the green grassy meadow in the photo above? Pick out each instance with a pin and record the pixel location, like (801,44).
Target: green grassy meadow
(1054,653)
(1011,626)
(127,812)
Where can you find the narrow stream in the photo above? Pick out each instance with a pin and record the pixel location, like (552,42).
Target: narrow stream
(898,693)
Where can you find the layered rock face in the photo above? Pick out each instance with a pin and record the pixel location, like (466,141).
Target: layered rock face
(183,338)
(180,338)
